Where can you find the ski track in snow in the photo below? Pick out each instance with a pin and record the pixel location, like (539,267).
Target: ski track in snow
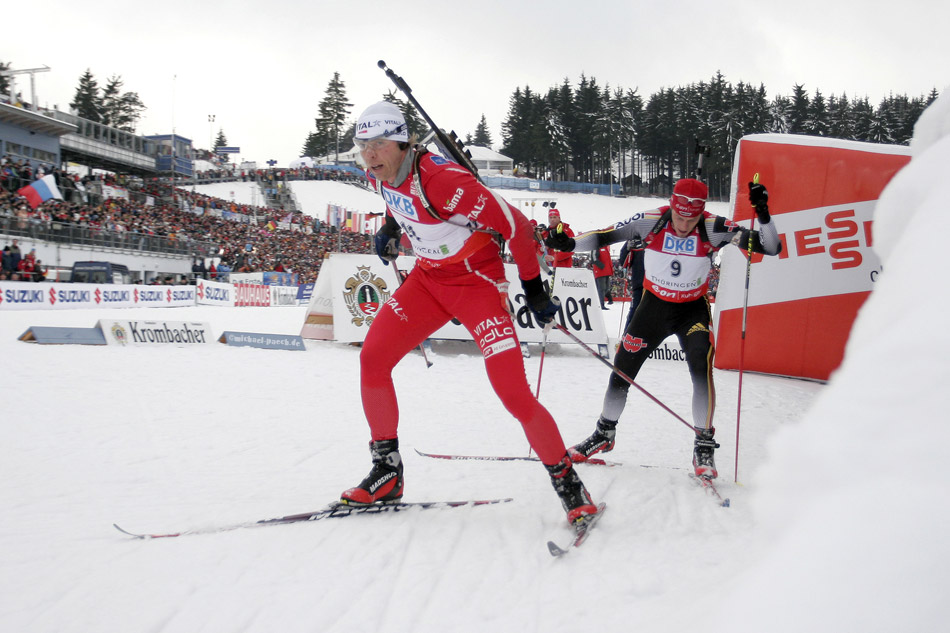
(168,439)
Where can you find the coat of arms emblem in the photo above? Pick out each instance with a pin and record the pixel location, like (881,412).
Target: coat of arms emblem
(364,294)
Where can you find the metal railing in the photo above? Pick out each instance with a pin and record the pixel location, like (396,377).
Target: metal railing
(84,235)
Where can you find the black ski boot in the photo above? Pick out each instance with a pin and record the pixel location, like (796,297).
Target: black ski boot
(569,487)
(601,441)
(703,449)
(384,482)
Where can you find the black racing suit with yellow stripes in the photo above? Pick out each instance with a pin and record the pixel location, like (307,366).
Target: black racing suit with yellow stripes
(674,298)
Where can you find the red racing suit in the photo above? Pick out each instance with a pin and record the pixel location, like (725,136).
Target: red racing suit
(459,273)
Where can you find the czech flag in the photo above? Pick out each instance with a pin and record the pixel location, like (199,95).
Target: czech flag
(39,191)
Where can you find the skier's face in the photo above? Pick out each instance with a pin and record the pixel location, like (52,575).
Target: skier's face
(382,157)
(683,225)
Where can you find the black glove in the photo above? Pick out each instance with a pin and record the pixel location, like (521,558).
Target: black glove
(542,305)
(387,241)
(559,240)
(759,198)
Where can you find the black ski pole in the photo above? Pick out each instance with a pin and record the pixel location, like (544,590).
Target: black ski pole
(422,346)
(701,152)
(745,313)
(617,371)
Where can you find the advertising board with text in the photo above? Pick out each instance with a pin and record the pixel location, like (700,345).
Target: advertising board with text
(802,303)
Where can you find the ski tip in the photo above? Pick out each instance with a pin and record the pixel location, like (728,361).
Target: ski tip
(726,503)
(581,531)
(596,461)
(127,533)
(556,550)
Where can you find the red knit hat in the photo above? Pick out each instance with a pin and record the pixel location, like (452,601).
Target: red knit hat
(689,197)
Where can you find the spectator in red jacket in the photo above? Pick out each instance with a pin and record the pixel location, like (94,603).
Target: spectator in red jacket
(27,265)
(603,272)
(558,259)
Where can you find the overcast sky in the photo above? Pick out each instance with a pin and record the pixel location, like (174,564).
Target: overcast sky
(261,68)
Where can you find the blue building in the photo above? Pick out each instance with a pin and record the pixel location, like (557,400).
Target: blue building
(173,154)
(31,136)
(51,138)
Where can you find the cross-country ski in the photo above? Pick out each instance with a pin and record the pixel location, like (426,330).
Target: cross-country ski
(333,511)
(508,458)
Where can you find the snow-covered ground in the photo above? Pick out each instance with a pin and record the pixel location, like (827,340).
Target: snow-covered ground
(163,439)
(838,522)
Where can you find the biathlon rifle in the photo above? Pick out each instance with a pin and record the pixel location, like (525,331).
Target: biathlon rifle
(450,146)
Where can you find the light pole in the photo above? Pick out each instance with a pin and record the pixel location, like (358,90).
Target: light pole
(211,134)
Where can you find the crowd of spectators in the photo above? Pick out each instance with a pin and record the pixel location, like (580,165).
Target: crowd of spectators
(319,172)
(17,173)
(14,266)
(244,238)
(274,175)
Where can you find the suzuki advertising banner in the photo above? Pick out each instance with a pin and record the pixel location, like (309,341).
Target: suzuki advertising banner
(350,289)
(214,293)
(19,295)
(802,303)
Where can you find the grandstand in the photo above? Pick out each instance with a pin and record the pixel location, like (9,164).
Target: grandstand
(160,230)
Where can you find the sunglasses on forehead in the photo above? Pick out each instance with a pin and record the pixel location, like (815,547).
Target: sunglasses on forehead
(696,203)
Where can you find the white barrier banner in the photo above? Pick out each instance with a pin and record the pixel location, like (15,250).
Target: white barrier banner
(318,324)
(179,296)
(214,293)
(151,296)
(352,288)
(162,296)
(22,295)
(580,307)
(283,296)
(246,278)
(152,333)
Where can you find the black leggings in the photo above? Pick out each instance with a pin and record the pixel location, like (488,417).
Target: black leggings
(654,321)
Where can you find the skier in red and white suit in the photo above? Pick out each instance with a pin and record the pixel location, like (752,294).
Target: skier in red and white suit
(680,239)
(450,220)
